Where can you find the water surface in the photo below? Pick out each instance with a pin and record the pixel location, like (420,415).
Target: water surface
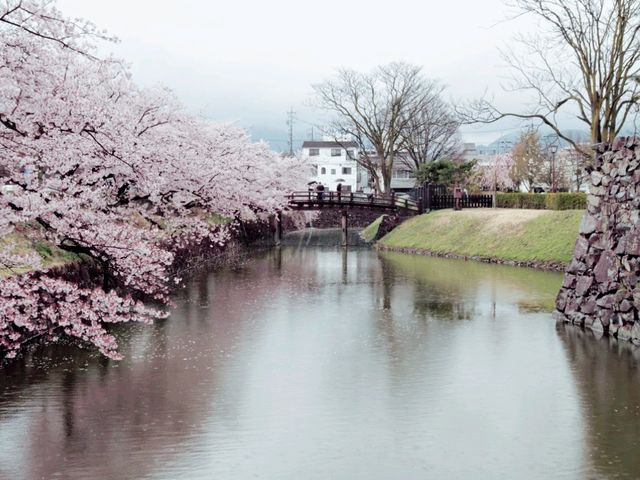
(327,364)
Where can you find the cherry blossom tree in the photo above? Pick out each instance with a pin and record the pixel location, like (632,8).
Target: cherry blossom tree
(496,175)
(121,176)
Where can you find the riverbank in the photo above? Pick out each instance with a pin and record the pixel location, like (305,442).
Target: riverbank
(50,255)
(84,286)
(323,237)
(531,238)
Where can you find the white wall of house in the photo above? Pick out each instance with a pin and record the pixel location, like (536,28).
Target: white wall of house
(331,164)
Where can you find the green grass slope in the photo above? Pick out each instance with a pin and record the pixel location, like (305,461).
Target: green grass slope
(51,256)
(371,231)
(509,234)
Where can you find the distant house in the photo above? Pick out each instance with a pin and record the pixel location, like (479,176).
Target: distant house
(403,175)
(402,178)
(333,163)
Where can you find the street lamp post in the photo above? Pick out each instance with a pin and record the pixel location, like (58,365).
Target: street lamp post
(551,147)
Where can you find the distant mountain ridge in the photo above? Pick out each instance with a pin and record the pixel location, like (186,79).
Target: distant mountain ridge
(546,136)
(277,137)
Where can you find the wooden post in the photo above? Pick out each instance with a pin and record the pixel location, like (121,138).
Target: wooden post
(344,224)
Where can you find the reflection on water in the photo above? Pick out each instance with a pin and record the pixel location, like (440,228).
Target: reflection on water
(608,376)
(318,363)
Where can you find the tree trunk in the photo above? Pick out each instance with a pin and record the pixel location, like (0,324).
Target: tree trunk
(386,180)
(386,165)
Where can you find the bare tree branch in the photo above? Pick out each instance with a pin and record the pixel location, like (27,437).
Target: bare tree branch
(377,110)
(583,62)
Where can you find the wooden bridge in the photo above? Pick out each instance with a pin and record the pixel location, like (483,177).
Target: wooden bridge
(345,201)
(313,200)
(423,199)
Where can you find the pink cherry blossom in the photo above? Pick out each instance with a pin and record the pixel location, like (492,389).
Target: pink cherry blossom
(496,173)
(120,175)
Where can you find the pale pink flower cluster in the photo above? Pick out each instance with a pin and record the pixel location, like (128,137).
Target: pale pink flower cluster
(498,172)
(41,306)
(120,175)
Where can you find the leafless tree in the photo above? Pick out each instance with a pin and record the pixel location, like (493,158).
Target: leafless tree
(584,61)
(433,134)
(374,109)
(528,159)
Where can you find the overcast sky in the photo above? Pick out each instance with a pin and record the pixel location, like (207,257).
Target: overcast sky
(249,61)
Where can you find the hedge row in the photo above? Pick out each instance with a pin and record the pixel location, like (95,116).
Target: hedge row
(543,201)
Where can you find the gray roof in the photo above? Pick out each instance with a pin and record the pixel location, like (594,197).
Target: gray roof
(327,144)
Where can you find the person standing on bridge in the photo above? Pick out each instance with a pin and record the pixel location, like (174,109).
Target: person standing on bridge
(320,189)
(339,190)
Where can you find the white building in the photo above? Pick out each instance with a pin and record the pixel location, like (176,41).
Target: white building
(333,163)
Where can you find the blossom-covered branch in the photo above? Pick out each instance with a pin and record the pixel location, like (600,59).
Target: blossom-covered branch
(119,175)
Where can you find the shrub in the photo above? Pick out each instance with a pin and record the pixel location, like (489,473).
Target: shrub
(543,201)
(566,201)
(521,200)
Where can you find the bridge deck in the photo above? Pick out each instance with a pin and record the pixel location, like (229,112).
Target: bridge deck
(317,200)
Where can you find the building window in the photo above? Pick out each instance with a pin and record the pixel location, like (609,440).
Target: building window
(351,154)
(336,152)
(403,174)
(323,171)
(314,152)
(346,170)
(333,171)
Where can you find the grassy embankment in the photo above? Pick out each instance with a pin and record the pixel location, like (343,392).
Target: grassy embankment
(371,231)
(534,237)
(51,256)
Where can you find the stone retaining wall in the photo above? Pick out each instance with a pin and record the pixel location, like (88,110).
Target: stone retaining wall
(330,217)
(600,289)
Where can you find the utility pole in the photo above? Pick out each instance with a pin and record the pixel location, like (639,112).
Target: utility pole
(291,117)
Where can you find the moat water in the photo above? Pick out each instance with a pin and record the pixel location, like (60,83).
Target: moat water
(327,364)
